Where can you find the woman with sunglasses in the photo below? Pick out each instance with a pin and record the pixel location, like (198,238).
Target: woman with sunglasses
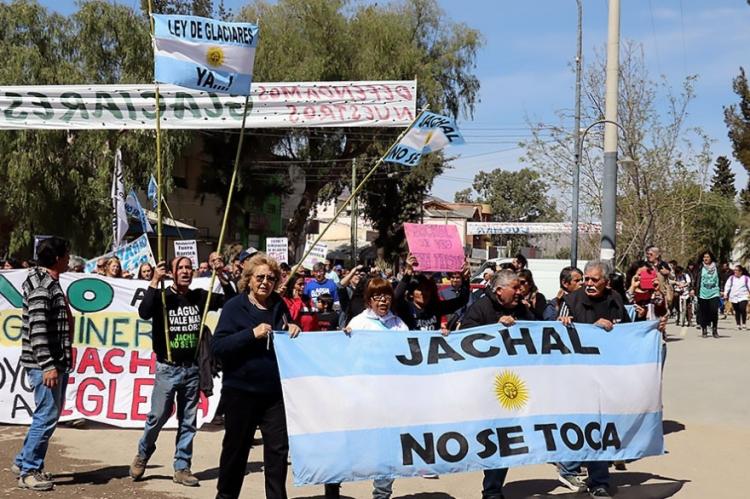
(300,306)
(377,316)
(251,385)
(532,298)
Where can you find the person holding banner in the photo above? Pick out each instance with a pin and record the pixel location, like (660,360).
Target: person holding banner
(251,386)
(177,371)
(417,302)
(594,303)
(47,337)
(379,296)
(501,304)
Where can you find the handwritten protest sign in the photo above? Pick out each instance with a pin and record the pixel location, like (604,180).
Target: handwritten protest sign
(318,254)
(438,248)
(188,248)
(113,365)
(278,248)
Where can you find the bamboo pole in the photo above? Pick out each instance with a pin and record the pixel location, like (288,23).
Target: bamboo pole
(354,194)
(159,232)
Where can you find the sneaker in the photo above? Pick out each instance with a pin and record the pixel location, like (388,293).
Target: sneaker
(620,466)
(573,482)
(138,467)
(35,481)
(599,492)
(186,478)
(430,476)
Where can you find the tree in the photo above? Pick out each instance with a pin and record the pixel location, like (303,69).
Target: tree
(58,182)
(333,40)
(737,119)
(515,196)
(661,188)
(463,196)
(722,182)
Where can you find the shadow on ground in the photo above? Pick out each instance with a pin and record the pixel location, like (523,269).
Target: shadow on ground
(98,476)
(669,426)
(626,485)
(213,473)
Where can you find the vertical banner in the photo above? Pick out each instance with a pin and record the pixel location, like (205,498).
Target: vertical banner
(438,248)
(188,248)
(278,248)
(119,214)
(318,254)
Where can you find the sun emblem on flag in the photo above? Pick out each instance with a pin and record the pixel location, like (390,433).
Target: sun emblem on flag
(215,56)
(511,391)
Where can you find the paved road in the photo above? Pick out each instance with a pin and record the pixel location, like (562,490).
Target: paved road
(706,411)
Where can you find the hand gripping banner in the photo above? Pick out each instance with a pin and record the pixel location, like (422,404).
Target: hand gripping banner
(384,404)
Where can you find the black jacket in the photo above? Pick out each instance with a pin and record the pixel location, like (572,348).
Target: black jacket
(430,317)
(249,364)
(584,310)
(488,310)
(184,314)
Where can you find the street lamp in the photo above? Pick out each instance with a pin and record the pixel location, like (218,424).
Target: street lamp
(577,183)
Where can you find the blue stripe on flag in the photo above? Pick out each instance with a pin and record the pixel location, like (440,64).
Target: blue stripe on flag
(356,455)
(185,74)
(211,31)
(334,354)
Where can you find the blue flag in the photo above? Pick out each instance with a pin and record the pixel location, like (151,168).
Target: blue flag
(134,209)
(430,133)
(152,192)
(204,54)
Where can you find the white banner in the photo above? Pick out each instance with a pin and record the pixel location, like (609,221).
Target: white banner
(273,105)
(278,248)
(490,228)
(318,254)
(188,248)
(114,365)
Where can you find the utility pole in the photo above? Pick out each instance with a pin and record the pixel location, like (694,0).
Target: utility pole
(609,182)
(577,131)
(354,215)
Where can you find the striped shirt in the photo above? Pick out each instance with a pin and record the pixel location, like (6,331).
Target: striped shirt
(45,329)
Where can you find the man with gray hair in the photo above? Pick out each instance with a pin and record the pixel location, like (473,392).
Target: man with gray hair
(500,304)
(593,303)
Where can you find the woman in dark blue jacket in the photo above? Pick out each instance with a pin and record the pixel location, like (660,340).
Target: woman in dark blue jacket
(251,387)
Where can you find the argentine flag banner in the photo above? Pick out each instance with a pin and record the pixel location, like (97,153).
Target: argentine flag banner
(204,54)
(430,133)
(386,404)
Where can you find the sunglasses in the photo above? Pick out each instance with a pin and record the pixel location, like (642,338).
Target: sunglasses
(266,277)
(383,298)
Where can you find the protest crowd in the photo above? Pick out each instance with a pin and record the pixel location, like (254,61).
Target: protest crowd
(259,296)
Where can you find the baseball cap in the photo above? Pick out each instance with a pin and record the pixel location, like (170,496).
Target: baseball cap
(248,253)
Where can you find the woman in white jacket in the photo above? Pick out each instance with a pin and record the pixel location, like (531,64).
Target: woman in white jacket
(737,290)
(377,316)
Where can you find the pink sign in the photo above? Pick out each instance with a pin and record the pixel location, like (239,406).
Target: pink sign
(437,247)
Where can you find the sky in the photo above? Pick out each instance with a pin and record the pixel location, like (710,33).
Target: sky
(525,67)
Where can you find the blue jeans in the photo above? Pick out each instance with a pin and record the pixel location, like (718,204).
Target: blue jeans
(598,471)
(170,381)
(382,488)
(49,404)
